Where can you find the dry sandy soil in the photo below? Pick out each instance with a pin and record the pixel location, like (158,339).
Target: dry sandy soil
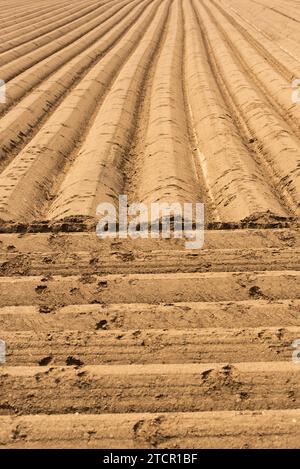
(143,343)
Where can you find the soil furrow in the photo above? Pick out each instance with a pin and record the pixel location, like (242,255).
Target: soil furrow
(149,388)
(275,147)
(18,17)
(138,339)
(57,138)
(15,67)
(69,262)
(12,49)
(27,117)
(150,288)
(280,314)
(165,170)
(96,173)
(277,90)
(237,184)
(115,346)
(224,429)
(23,84)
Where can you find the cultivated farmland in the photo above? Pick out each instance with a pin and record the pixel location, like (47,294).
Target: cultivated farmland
(143,343)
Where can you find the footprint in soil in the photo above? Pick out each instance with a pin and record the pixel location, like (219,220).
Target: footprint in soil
(102,284)
(87,278)
(45,309)
(73,361)
(45,361)
(256,293)
(40,288)
(11,248)
(102,324)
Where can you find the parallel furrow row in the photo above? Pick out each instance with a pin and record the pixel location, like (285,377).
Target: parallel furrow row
(150,388)
(96,174)
(273,141)
(149,288)
(141,342)
(56,139)
(25,82)
(24,120)
(19,15)
(225,429)
(238,186)
(145,347)
(16,66)
(13,48)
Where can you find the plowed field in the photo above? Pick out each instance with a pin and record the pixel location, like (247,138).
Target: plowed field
(143,343)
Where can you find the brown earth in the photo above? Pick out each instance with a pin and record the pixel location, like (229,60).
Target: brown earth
(143,343)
